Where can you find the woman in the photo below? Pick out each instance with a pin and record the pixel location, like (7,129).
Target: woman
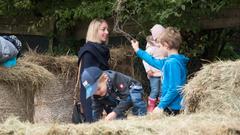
(93,53)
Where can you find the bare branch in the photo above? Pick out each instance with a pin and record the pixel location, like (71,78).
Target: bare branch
(117,27)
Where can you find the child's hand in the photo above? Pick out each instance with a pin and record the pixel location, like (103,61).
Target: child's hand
(150,73)
(111,116)
(135,45)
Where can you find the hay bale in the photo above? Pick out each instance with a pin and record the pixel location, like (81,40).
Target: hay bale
(62,66)
(196,124)
(122,60)
(215,88)
(17,88)
(54,102)
(12,104)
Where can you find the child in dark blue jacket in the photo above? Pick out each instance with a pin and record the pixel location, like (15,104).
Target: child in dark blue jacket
(115,90)
(173,68)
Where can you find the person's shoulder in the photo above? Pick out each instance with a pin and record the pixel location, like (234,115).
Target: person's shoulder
(110,73)
(177,59)
(86,48)
(117,75)
(171,60)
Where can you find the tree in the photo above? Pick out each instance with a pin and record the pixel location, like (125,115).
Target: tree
(184,14)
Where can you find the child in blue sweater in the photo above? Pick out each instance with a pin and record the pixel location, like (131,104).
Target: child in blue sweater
(173,68)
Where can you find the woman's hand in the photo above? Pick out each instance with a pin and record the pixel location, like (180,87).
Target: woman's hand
(111,116)
(135,45)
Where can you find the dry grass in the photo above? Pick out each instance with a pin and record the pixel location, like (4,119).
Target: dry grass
(215,88)
(122,60)
(63,66)
(22,82)
(66,66)
(196,124)
(25,76)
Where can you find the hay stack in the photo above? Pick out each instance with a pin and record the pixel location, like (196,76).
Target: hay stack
(17,88)
(54,102)
(215,88)
(122,60)
(62,66)
(196,124)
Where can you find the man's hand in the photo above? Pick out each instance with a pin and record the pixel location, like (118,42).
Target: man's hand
(111,116)
(135,45)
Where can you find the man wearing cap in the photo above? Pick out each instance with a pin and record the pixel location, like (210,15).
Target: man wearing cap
(115,90)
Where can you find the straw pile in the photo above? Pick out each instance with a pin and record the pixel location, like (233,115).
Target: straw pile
(18,86)
(122,60)
(54,102)
(196,124)
(215,88)
(39,89)
(49,89)
(63,66)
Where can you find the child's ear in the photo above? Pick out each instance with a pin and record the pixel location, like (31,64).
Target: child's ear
(165,44)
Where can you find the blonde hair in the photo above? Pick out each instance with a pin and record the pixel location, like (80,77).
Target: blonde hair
(92,33)
(101,79)
(172,37)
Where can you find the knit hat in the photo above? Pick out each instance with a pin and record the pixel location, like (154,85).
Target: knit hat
(156,30)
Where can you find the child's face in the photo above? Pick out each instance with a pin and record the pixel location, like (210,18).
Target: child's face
(102,87)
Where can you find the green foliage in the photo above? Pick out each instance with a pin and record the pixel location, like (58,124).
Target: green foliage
(23,4)
(230,53)
(66,13)
(184,14)
(85,10)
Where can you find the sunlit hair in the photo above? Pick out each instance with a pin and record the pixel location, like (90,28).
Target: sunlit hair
(102,79)
(92,33)
(172,37)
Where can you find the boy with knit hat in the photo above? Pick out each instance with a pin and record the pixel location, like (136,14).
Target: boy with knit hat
(153,74)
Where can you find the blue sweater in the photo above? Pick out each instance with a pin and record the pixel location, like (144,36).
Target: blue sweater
(174,77)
